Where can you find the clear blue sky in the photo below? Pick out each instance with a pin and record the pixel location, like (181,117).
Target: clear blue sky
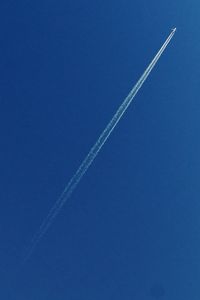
(131,228)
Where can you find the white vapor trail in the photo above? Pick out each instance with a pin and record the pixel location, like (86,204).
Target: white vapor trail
(93,152)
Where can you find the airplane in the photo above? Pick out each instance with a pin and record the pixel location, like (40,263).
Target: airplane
(174,29)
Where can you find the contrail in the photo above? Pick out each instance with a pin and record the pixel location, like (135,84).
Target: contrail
(93,152)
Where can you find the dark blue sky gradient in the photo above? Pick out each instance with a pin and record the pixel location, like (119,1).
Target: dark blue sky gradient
(132,225)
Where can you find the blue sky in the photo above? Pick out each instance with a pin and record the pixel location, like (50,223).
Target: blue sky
(133,222)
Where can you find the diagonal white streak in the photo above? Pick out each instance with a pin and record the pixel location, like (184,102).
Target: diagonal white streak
(93,152)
